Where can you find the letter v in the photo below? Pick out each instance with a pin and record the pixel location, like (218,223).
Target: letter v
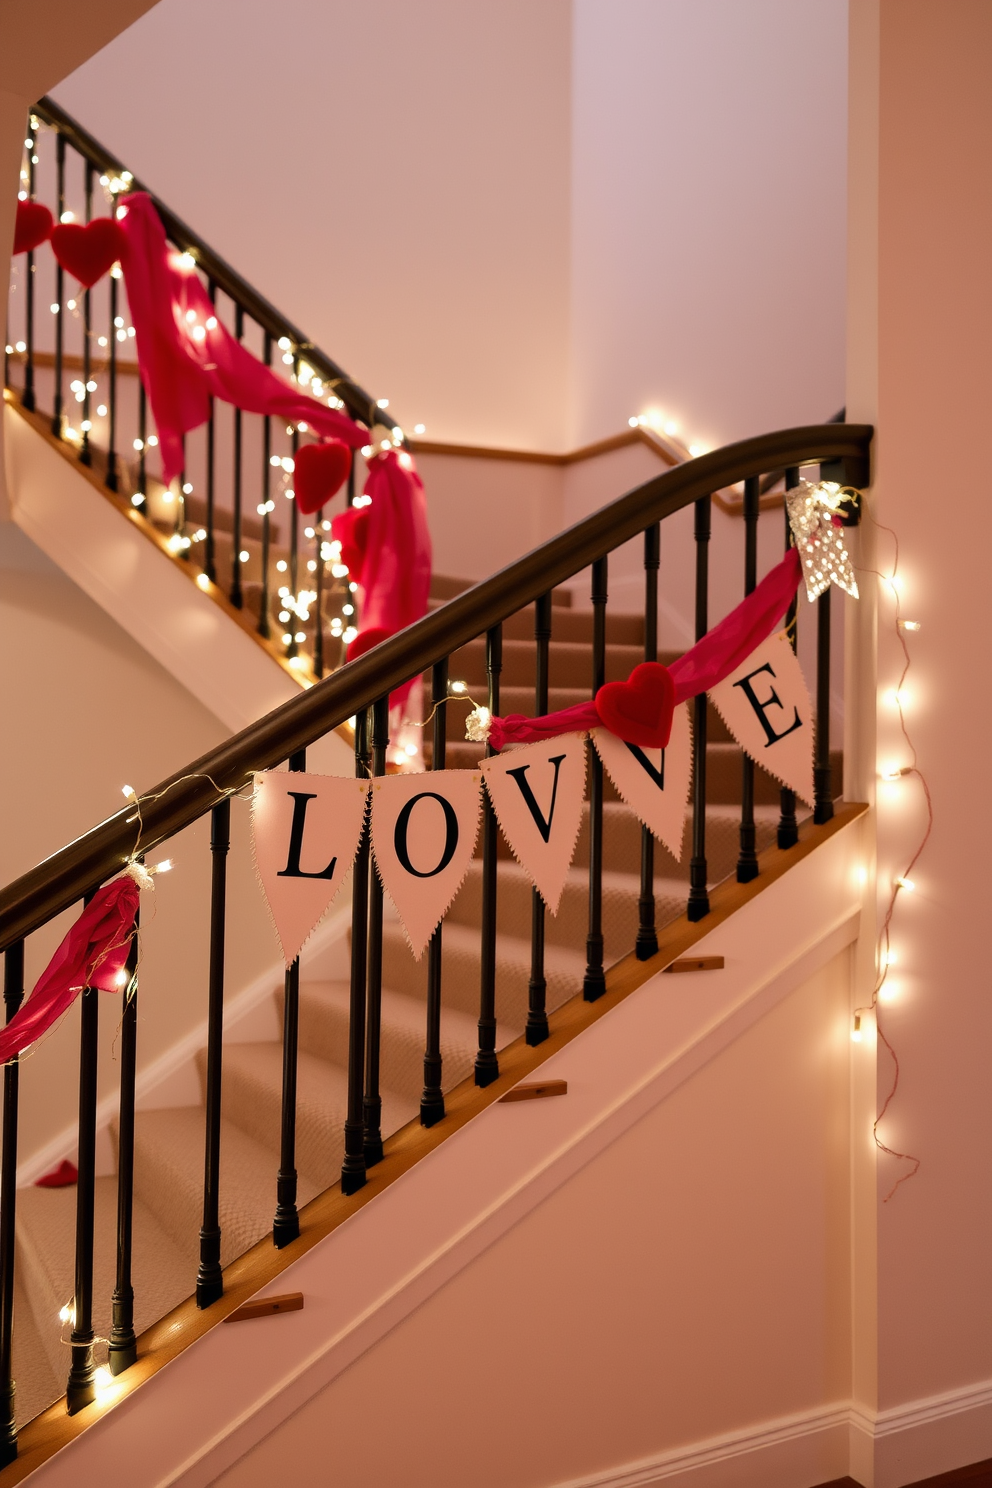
(520,776)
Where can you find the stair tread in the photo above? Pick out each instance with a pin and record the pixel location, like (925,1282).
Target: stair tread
(46,1228)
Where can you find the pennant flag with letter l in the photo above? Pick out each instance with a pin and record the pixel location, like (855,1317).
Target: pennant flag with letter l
(537,793)
(654,783)
(424,830)
(766,706)
(305,834)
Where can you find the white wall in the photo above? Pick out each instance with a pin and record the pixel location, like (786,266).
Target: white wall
(394,178)
(523,222)
(708,227)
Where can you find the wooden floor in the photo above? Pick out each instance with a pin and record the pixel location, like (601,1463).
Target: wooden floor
(978,1475)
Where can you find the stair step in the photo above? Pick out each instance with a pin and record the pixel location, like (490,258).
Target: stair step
(253,1102)
(570,663)
(324,1033)
(46,1229)
(460,980)
(169,1147)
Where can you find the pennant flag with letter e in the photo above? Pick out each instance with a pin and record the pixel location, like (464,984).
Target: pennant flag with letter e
(424,830)
(766,707)
(654,783)
(537,793)
(305,834)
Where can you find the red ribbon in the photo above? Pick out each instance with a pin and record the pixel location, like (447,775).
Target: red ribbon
(708,662)
(93,954)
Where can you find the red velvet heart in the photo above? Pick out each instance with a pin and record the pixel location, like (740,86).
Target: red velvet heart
(321,470)
(640,710)
(374,636)
(61,1177)
(87,253)
(351,529)
(32,227)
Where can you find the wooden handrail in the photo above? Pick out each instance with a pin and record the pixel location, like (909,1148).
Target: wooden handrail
(56,883)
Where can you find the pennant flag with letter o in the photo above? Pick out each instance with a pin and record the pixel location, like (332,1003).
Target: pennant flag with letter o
(766,707)
(305,834)
(537,793)
(654,783)
(424,830)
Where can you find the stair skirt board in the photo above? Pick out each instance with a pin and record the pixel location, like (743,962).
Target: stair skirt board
(473,1190)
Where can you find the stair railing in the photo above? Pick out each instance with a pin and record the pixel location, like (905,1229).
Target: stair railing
(360,691)
(236,531)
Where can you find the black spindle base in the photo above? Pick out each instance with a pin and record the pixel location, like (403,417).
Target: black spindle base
(698,906)
(110,479)
(353,1167)
(594,981)
(122,1350)
(431,1107)
(747,862)
(537,1029)
(823,810)
(788,828)
(8,1431)
(486,1065)
(646,944)
(373,1131)
(286,1222)
(210,1277)
(80,1389)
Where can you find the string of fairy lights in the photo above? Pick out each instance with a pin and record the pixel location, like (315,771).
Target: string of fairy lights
(294,610)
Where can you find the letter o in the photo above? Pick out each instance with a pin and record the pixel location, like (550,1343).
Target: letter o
(402,828)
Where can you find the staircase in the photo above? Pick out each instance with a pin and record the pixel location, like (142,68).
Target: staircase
(169,1142)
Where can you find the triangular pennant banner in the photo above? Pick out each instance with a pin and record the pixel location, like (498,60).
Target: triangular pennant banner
(424,829)
(654,783)
(305,834)
(766,707)
(537,793)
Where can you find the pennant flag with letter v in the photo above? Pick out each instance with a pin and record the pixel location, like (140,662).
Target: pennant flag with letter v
(654,783)
(537,793)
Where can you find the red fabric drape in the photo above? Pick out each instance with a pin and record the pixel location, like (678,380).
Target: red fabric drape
(92,954)
(185,360)
(719,653)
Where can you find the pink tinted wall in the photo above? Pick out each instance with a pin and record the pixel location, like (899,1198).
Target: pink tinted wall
(922,291)
(395,179)
(691,1280)
(708,215)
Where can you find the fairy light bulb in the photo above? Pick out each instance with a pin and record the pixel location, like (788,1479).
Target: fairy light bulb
(67,1314)
(129,793)
(856,1030)
(905,883)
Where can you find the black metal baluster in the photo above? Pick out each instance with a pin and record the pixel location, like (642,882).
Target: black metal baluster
(236,594)
(432,1097)
(27,395)
(594,982)
(699,899)
(486,1062)
(59,287)
(372,1106)
(747,861)
(353,1167)
(286,1224)
(646,944)
(823,795)
(13,996)
(294,536)
(80,1387)
(85,455)
(123,1347)
(264,628)
(209,1277)
(210,555)
(788,827)
(536,1030)
(110,477)
(142,491)
(318,604)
